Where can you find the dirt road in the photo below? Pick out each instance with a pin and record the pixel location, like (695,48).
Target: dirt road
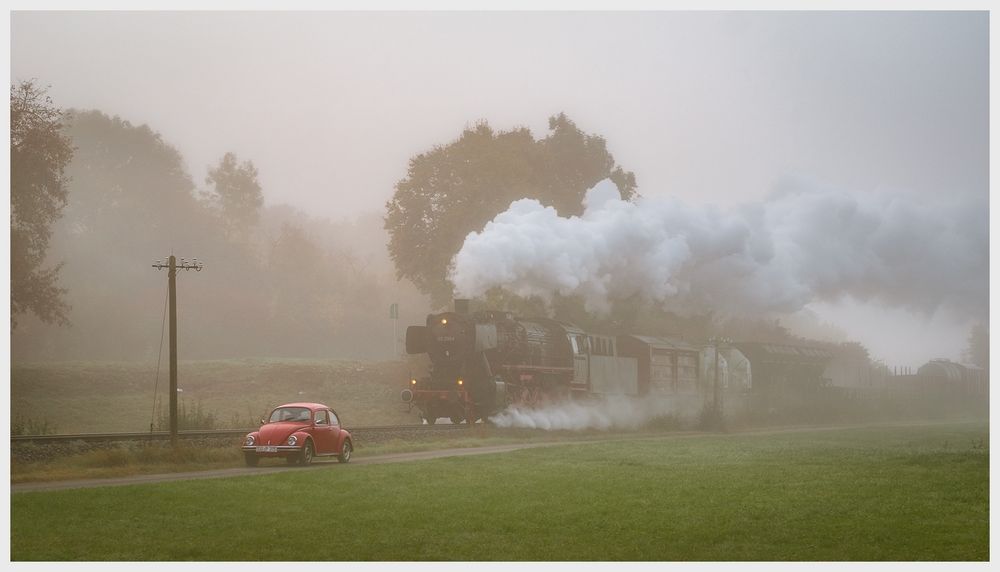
(320,464)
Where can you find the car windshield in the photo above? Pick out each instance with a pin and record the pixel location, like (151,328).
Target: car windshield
(289,414)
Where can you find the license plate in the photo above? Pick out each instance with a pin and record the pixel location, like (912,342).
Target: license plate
(271,449)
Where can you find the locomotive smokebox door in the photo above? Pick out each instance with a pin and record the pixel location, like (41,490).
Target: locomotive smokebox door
(486,337)
(416,340)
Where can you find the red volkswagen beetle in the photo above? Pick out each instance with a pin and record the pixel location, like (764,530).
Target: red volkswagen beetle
(299,432)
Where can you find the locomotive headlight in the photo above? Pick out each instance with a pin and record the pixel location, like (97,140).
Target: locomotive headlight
(444,321)
(293,440)
(460,382)
(413,382)
(249,441)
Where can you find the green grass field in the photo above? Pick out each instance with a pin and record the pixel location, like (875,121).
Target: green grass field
(895,493)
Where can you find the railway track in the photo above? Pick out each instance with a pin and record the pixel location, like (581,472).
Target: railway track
(357,432)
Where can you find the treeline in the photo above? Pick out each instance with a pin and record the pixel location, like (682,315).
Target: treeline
(276,282)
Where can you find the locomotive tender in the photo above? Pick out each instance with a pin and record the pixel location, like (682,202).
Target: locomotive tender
(483,362)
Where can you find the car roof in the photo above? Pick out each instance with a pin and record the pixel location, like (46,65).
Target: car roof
(312,406)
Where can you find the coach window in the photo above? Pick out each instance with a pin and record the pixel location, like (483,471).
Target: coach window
(321,418)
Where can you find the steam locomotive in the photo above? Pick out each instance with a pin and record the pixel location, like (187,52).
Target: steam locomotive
(486,361)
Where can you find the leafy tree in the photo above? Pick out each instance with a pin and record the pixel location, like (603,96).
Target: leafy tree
(132,202)
(978,350)
(39,153)
(855,349)
(236,192)
(457,188)
(130,188)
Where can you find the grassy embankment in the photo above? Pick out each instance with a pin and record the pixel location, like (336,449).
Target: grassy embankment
(96,397)
(903,493)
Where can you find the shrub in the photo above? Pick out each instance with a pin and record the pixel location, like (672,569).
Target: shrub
(20,425)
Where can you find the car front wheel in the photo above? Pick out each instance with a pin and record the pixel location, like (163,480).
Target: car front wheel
(345,455)
(307,454)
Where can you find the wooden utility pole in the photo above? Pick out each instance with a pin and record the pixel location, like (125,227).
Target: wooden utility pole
(172,268)
(394,316)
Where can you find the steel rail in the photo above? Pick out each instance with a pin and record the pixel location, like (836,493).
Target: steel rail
(204,434)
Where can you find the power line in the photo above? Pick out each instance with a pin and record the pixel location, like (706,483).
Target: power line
(159,355)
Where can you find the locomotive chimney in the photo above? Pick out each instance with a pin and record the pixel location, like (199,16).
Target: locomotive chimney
(461,305)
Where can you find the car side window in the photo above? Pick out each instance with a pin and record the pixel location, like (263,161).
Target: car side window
(333,419)
(321,418)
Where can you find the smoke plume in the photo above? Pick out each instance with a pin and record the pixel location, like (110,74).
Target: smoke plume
(803,243)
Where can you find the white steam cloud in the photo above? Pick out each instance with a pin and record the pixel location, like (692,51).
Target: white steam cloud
(803,243)
(613,412)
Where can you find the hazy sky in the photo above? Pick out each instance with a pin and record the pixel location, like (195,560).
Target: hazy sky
(710,107)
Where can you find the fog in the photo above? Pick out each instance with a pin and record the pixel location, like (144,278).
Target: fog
(710,110)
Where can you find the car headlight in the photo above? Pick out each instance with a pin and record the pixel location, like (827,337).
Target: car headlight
(293,440)
(250,441)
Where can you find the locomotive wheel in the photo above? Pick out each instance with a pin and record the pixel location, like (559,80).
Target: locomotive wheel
(431,420)
(456,420)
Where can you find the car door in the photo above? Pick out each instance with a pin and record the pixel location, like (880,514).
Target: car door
(324,433)
(338,432)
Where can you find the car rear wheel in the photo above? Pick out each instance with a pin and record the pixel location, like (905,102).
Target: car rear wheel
(251,459)
(307,454)
(345,454)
